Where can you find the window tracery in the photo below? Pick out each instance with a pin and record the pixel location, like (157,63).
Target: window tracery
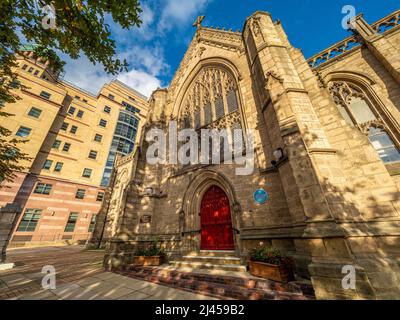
(212,97)
(358,110)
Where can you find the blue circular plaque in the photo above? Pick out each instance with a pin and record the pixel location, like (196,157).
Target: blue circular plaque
(261,196)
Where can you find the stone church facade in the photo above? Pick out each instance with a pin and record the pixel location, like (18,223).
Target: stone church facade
(334,196)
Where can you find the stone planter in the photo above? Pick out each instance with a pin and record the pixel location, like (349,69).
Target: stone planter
(147,261)
(273,272)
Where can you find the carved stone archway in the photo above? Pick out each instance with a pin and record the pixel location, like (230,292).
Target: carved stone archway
(190,211)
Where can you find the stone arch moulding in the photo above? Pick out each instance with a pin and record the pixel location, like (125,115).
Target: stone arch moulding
(194,195)
(215,61)
(367,85)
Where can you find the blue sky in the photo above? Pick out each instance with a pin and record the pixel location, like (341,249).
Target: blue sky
(155,50)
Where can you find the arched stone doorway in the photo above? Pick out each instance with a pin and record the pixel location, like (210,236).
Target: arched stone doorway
(190,213)
(216,221)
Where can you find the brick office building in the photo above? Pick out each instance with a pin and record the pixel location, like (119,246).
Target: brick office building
(73,139)
(334,196)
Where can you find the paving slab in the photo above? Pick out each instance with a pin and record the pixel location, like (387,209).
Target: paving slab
(14,280)
(79,276)
(137,295)
(38,295)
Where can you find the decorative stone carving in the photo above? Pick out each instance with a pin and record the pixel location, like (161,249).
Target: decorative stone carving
(208,92)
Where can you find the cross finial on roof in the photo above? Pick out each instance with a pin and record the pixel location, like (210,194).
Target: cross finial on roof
(198,22)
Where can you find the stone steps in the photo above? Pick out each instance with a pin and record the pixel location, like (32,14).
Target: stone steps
(212,260)
(219,265)
(209,259)
(223,287)
(212,253)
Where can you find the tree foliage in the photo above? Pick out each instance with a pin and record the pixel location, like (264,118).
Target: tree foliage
(80,28)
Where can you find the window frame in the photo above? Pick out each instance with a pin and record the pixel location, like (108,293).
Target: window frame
(35,110)
(30,221)
(46,188)
(87,170)
(58,164)
(22,128)
(71,221)
(80,194)
(45,167)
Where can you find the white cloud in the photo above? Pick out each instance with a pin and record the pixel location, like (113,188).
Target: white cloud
(144,33)
(179,13)
(141,81)
(84,74)
(150,59)
(145,65)
(141,47)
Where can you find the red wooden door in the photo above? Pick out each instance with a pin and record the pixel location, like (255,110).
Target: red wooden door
(216,221)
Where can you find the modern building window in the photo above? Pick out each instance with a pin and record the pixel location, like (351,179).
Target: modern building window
(98,137)
(29,220)
(58,167)
(66,147)
(130,108)
(93,154)
(45,95)
(73,129)
(71,111)
(100,196)
(103,123)
(64,126)
(80,194)
(56,144)
(47,164)
(107,109)
(43,188)
(111,97)
(73,217)
(23,132)
(92,223)
(80,114)
(35,113)
(123,142)
(87,173)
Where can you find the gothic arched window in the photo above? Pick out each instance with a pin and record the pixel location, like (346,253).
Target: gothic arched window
(358,110)
(384,145)
(212,97)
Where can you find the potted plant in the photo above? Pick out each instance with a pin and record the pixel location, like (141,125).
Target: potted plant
(152,255)
(270,263)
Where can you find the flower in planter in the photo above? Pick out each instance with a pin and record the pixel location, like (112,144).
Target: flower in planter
(154,249)
(269,255)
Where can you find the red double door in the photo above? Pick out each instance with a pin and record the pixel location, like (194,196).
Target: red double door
(216,221)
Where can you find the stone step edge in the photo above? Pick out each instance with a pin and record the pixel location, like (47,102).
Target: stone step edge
(140,277)
(230,291)
(207,264)
(295,288)
(212,258)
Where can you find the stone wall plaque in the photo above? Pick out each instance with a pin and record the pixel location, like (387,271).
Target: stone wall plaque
(145,219)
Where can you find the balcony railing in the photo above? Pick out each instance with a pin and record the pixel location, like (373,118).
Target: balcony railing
(351,43)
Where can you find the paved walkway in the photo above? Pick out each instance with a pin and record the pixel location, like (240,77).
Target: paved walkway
(79,276)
